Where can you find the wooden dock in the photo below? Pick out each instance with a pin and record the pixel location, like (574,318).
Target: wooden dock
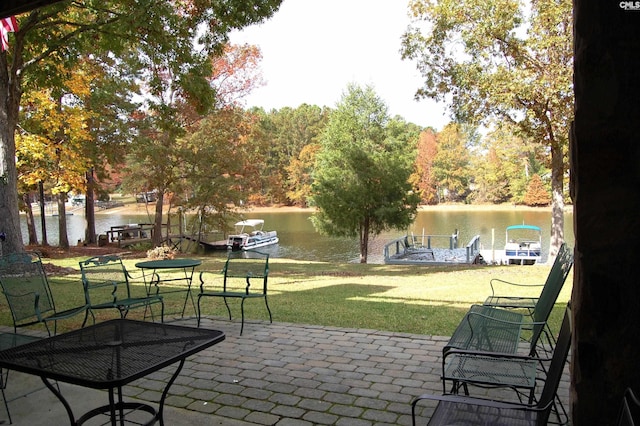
(208,245)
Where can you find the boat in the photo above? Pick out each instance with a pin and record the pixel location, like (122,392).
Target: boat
(526,250)
(249,235)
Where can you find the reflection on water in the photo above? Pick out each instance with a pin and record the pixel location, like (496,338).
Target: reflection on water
(298,239)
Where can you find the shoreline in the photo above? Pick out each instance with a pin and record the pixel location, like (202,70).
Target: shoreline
(143,209)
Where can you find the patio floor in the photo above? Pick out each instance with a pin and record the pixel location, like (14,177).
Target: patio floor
(277,374)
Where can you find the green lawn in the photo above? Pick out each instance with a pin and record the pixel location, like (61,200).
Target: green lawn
(406,298)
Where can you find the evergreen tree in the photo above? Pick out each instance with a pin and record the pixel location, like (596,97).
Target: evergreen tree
(361,183)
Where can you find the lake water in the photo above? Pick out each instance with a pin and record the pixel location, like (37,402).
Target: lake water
(299,240)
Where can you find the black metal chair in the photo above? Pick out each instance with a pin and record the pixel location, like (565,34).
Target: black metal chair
(630,410)
(239,269)
(458,409)
(26,287)
(106,286)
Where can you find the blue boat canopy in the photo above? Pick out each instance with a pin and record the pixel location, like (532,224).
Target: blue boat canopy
(527,227)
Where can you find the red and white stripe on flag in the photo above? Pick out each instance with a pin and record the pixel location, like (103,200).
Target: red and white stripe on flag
(9,25)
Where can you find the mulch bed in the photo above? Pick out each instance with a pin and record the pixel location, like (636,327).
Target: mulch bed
(54,252)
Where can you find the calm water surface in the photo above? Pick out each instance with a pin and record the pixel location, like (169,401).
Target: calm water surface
(298,239)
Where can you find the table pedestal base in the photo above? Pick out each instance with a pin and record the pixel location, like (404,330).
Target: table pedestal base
(118,410)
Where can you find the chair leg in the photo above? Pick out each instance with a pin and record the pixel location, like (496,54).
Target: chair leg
(46,327)
(228,308)
(4,376)
(413,411)
(86,317)
(6,406)
(93,317)
(268,310)
(242,313)
(199,314)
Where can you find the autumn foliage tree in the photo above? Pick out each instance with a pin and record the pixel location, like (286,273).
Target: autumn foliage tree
(283,135)
(536,195)
(300,175)
(423,178)
(218,164)
(451,163)
(50,147)
(235,73)
(502,60)
(128,30)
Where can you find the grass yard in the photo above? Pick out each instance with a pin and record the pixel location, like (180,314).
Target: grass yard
(401,298)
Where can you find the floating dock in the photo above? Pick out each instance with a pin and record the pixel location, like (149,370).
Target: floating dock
(208,245)
(405,251)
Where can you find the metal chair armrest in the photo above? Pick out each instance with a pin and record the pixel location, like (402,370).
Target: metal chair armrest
(502,321)
(460,399)
(29,295)
(497,355)
(498,281)
(204,283)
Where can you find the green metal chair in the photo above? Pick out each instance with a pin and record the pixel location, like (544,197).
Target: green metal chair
(239,269)
(458,409)
(559,270)
(520,373)
(26,287)
(106,286)
(492,329)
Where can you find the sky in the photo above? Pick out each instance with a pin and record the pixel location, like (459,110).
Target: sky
(312,49)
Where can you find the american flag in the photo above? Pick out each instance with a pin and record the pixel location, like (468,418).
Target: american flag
(9,25)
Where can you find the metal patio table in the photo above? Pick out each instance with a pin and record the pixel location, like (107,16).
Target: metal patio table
(187,265)
(108,356)
(7,341)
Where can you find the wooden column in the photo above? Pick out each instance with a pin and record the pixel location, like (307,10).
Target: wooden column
(605,154)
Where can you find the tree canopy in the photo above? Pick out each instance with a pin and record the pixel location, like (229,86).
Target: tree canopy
(501,60)
(154,38)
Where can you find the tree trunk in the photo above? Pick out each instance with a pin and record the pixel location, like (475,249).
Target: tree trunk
(157,225)
(89,210)
(31,224)
(364,241)
(557,199)
(63,238)
(43,219)
(9,212)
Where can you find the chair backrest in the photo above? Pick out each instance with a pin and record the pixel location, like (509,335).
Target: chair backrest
(551,290)
(25,285)
(556,368)
(105,279)
(247,264)
(630,410)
